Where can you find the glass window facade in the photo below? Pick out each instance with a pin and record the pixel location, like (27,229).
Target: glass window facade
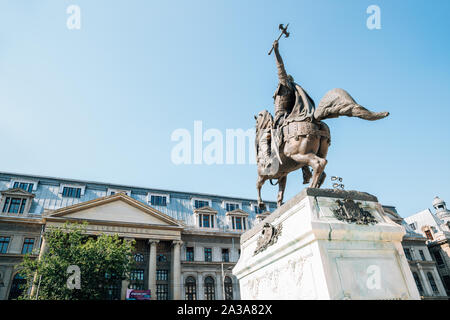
(4,243)
(28,245)
(158,200)
(71,192)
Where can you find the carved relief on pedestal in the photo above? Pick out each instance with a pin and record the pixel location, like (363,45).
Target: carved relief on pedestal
(351,212)
(289,272)
(269,235)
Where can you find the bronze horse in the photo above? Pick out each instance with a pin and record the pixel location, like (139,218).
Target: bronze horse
(304,143)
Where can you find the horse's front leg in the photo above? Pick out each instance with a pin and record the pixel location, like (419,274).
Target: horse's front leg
(281,187)
(259,184)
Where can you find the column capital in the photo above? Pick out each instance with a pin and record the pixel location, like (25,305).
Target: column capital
(153,241)
(177,242)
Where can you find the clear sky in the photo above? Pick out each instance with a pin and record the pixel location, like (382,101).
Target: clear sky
(100,103)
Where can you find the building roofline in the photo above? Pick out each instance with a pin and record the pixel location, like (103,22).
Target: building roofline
(129,186)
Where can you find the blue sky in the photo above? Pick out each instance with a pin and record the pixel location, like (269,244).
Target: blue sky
(100,103)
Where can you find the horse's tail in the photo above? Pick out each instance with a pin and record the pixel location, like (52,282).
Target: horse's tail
(270,180)
(337,102)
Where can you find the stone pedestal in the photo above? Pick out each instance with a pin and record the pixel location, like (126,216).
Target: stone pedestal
(325,244)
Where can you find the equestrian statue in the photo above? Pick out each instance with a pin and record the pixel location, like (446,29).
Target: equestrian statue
(297,137)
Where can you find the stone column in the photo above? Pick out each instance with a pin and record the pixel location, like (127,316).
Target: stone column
(176,267)
(427,287)
(126,282)
(200,289)
(152,268)
(219,286)
(43,250)
(439,283)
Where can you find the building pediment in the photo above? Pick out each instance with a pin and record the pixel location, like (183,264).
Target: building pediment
(237,212)
(118,209)
(18,192)
(205,210)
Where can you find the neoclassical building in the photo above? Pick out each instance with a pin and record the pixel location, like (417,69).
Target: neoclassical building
(186,243)
(435,227)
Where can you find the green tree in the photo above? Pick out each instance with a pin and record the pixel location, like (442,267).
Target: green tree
(103,261)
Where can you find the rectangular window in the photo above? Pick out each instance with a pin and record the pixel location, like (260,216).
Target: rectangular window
(206,221)
(190,254)
(208,254)
(238,223)
(422,256)
(231,206)
(258,210)
(158,200)
(408,254)
(71,192)
(200,203)
(225,255)
(24,186)
(137,279)
(438,257)
(4,243)
(27,245)
(428,235)
(14,205)
(162,292)
(162,275)
(413,226)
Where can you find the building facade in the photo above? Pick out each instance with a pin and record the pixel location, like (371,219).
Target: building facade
(435,227)
(423,267)
(186,243)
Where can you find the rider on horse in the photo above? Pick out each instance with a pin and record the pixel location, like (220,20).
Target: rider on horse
(285,98)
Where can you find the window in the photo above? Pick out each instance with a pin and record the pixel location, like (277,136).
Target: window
(137,279)
(422,256)
(225,255)
(17,287)
(206,220)
(191,289)
(446,282)
(158,200)
(14,205)
(238,223)
(200,203)
(24,186)
(4,242)
(190,254)
(209,289)
(438,257)
(413,226)
(162,275)
(162,292)
(27,245)
(71,192)
(208,254)
(408,254)
(418,283)
(139,257)
(230,206)
(162,258)
(228,288)
(113,289)
(428,235)
(432,283)
(257,209)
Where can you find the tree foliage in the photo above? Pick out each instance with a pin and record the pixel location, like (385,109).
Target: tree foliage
(103,260)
